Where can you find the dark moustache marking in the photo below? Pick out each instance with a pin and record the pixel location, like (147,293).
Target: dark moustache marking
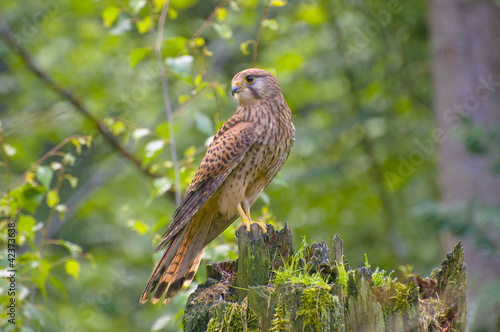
(254,93)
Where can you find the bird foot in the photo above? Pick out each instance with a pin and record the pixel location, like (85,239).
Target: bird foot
(247,224)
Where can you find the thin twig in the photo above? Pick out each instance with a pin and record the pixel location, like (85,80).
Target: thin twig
(208,22)
(50,153)
(183,107)
(259,33)
(211,83)
(166,98)
(77,103)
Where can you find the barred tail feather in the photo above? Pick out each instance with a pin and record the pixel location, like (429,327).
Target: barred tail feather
(184,279)
(179,263)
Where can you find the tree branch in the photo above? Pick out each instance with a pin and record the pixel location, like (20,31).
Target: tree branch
(259,33)
(157,42)
(77,103)
(208,22)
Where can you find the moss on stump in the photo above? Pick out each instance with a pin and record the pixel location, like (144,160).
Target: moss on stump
(325,295)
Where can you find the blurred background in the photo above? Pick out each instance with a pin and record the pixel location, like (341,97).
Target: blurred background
(396,106)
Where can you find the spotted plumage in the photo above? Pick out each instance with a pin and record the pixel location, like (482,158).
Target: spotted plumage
(243,158)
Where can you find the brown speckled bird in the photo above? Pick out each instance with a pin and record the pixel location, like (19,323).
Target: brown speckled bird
(243,158)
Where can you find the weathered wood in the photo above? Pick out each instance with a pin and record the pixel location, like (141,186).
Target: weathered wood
(242,295)
(452,287)
(295,307)
(364,312)
(338,249)
(253,260)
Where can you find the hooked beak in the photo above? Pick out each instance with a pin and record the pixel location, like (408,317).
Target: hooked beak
(235,89)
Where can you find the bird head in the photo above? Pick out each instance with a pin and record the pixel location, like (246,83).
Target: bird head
(251,85)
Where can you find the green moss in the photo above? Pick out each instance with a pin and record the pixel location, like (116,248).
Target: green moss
(229,317)
(404,296)
(279,322)
(316,305)
(297,270)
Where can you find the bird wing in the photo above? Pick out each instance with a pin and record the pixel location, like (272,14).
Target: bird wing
(224,153)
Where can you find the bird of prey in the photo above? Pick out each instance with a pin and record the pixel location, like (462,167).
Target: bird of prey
(243,158)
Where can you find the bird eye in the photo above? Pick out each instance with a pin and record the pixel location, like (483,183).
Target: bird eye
(249,79)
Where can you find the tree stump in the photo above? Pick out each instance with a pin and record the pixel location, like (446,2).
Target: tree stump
(244,295)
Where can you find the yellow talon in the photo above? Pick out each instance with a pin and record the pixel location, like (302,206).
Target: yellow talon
(246,220)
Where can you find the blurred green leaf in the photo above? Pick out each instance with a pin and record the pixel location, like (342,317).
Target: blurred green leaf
(224,31)
(158,5)
(140,133)
(198,79)
(182,99)
(174,46)
(173,13)
(163,130)
(40,278)
(69,159)
(73,248)
(72,267)
(183,4)
(221,14)
(204,123)
(190,151)
(180,65)
(137,5)
(25,225)
(123,25)
(9,150)
(77,145)
(161,185)
(138,226)
(144,25)
(28,196)
(44,175)
(62,209)
(311,13)
(278,3)
(73,181)
(138,54)
(52,198)
(244,47)
(198,42)
(57,284)
(153,147)
(27,258)
(270,23)
(109,15)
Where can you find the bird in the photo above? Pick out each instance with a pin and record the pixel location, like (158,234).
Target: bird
(244,156)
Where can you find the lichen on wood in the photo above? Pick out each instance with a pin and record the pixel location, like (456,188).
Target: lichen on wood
(244,295)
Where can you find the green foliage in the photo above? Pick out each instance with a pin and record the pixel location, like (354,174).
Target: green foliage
(297,270)
(35,269)
(379,278)
(343,277)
